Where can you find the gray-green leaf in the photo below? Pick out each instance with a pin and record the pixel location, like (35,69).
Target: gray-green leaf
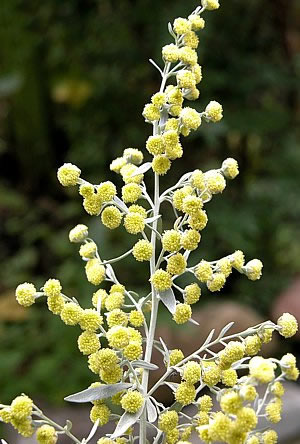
(126,421)
(94,393)
(144,364)
(168,298)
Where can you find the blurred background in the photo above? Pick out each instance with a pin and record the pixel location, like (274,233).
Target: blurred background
(74,79)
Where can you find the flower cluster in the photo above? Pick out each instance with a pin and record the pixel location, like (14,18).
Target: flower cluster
(116,335)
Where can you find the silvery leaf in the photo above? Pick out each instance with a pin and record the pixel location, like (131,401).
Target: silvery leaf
(168,298)
(225,330)
(144,364)
(126,421)
(151,411)
(192,321)
(68,425)
(110,272)
(142,169)
(94,393)
(170,29)
(173,385)
(93,431)
(152,219)
(209,338)
(121,204)
(3,441)
(185,177)
(164,345)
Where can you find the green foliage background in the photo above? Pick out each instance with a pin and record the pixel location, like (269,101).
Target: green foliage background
(74,79)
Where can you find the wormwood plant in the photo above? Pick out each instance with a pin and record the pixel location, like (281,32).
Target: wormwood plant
(118,336)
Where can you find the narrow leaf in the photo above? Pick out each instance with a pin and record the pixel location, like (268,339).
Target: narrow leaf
(168,298)
(170,29)
(142,169)
(144,364)
(121,204)
(102,392)
(68,425)
(225,330)
(3,441)
(185,177)
(93,431)
(151,411)
(164,345)
(192,321)
(209,338)
(152,219)
(127,420)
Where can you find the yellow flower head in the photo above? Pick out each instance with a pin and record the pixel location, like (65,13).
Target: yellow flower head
(171,241)
(210,4)
(230,168)
(136,318)
(215,181)
(192,205)
(253,345)
(231,402)
(132,401)
(198,221)
(151,112)
(262,369)
(246,419)
(203,271)
(190,240)
(25,294)
(86,190)
(111,217)
(175,356)
(234,351)
(155,145)
(114,300)
(117,164)
(88,343)
(88,250)
(185,393)
(253,269)
(192,294)
(168,421)
(92,205)
(134,223)
(191,372)
(101,412)
(106,191)
(133,351)
(179,196)
(68,175)
(170,53)
(211,373)
(182,314)
(217,282)
(117,317)
(71,313)
(161,280)
(186,79)
(214,111)
(128,173)
(176,264)
(131,192)
(181,25)
(190,118)
(55,304)
(104,359)
(52,288)
(46,434)
(229,377)
(78,233)
(161,164)
(133,155)
(158,99)
(248,392)
(90,320)
(273,410)
(118,337)
(187,54)
(288,324)
(277,389)
(237,260)
(102,294)
(95,271)
(197,22)
(270,437)
(21,408)
(205,403)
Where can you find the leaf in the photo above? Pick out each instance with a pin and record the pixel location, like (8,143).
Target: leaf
(142,169)
(170,29)
(209,338)
(164,345)
(3,441)
(94,393)
(68,425)
(168,298)
(126,421)
(121,204)
(173,385)
(110,272)
(93,431)
(144,364)
(152,219)
(185,177)
(151,411)
(192,321)
(225,330)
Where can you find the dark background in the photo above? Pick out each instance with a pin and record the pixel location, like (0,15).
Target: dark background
(74,79)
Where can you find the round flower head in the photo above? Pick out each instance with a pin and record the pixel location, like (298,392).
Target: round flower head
(55,304)
(138,209)
(205,403)
(185,393)
(102,294)
(234,351)
(151,112)
(262,369)
(187,54)
(216,282)
(105,441)
(23,427)
(273,411)
(197,22)
(210,4)
(142,250)
(136,318)
(179,196)
(191,372)
(172,437)
(171,241)
(197,180)
(277,389)
(131,192)
(168,421)
(288,324)
(78,233)
(237,260)
(106,191)
(170,53)
(203,271)
(134,335)
(88,343)
(46,434)
(230,168)
(175,356)
(117,164)
(197,71)
(134,223)
(88,250)
(95,271)
(129,175)
(90,320)
(270,437)
(182,314)
(132,401)
(92,205)
(161,164)
(21,407)
(25,294)
(192,205)
(253,269)
(181,25)
(100,412)
(5,415)
(229,377)
(111,217)
(133,155)
(52,288)
(186,79)
(214,111)
(155,145)
(248,392)
(230,402)
(104,359)
(190,239)
(175,96)
(246,419)
(158,99)
(114,300)
(133,351)
(215,181)
(86,190)
(211,373)
(117,337)
(176,264)
(252,345)
(224,266)
(190,118)
(68,175)
(161,280)
(71,313)
(192,294)
(198,221)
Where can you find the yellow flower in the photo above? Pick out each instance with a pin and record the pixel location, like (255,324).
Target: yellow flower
(203,271)
(192,205)
(78,233)
(211,373)
(196,22)
(21,407)
(187,54)
(190,118)
(118,337)
(191,372)
(111,217)
(270,437)
(176,264)
(170,53)
(198,221)
(106,191)
(5,415)
(136,318)
(186,79)
(117,164)
(92,205)
(25,294)
(192,294)
(155,145)
(217,282)
(253,345)
(288,324)
(237,260)
(171,240)
(132,401)
(128,173)
(253,269)
(205,403)
(172,436)
(104,359)
(246,419)
(262,369)
(248,392)
(151,112)
(179,196)
(273,411)
(71,313)
(114,300)
(161,164)
(88,342)
(46,434)
(86,190)
(95,272)
(52,287)
(134,223)
(230,168)
(214,111)
(88,250)
(234,351)
(159,99)
(55,304)
(190,239)
(131,192)
(175,356)
(215,181)
(133,155)
(101,412)
(231,402)
(181,25)
(102,294)
(219,427)
(68,175)
(90,320)
(117,317)
(277,389)
(183,313)
(197,180)
(168,421)
(229,377)
(210,4)
(133,351)
(161,280)
(185,393)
